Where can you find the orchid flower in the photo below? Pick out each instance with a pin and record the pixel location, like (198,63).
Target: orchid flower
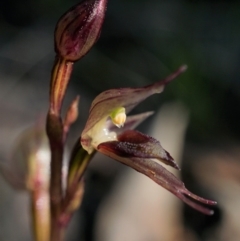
(110,131)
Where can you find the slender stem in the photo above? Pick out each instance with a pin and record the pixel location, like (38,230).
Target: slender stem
(60,77)
(41,214)
(54,131)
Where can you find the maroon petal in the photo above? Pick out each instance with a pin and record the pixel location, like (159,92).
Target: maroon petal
(133,143)
(160,175)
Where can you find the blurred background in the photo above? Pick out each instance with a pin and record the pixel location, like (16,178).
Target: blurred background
(142,41)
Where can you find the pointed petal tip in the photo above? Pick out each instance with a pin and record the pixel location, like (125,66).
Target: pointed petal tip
(183,68)
(205,210)
(211,212)
(170,161)
(200,199)
(174,75)
(189,198)
(177,167)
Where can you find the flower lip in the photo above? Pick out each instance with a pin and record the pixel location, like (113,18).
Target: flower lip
(132,143)
(161,176)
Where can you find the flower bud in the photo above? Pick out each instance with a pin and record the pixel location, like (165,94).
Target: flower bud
(79,28)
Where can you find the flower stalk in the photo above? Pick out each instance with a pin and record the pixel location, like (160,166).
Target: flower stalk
(75,34)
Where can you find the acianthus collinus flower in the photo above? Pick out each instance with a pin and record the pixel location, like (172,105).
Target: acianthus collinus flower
(110,131)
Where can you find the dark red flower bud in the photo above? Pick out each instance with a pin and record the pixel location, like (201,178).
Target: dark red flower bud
(79,28)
